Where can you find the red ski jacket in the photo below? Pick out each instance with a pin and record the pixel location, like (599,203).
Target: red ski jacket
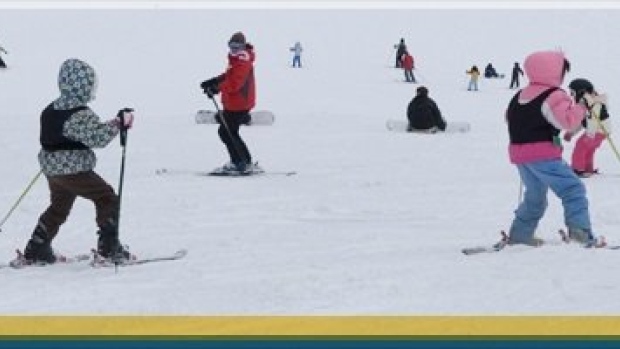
(238,86)
(407,62)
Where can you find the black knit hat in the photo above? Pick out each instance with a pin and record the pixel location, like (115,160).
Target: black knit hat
(237,38)
(422,91)
(581,85)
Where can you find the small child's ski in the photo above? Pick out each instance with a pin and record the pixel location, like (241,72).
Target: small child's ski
(99,262)
(93,259)
(20,261)
(498,246)
(599,243)
(484,249)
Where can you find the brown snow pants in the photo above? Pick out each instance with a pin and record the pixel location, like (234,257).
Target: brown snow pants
(65,189)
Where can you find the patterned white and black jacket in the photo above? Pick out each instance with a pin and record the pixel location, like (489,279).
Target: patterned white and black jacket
(77,83)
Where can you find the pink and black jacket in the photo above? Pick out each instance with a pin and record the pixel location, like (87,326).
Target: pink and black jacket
(537,113)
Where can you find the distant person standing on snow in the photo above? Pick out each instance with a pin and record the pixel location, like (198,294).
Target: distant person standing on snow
(238,98)
(408,66)
(297,49)
(474,74)
(535,116)
(596,127)
(423,113)
(2,64)
(401,48)
(516,71)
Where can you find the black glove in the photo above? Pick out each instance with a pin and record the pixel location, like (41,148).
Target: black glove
(207,83)
(211,91)
(211,85)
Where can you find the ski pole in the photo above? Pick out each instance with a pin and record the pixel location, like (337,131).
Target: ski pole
(21,197)
(223,121)
(123,138)
(605,132)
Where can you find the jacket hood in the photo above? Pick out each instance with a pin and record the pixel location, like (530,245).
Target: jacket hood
(545,67)
(77,83)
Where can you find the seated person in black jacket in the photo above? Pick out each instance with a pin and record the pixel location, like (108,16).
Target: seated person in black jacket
(490,72)
(423,113)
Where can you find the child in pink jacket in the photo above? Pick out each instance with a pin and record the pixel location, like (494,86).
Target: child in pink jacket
(535,116)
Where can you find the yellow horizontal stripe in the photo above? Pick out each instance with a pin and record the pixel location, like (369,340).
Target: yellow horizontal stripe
(310,325)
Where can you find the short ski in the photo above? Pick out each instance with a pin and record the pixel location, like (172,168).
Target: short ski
(20,262)
(500,245)
(93,259)
(100,262)
(600,243)
(483,249)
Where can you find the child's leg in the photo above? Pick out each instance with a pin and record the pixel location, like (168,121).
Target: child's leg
(531,209)
(578,159)
(593,145)
(569,188)
(61,202)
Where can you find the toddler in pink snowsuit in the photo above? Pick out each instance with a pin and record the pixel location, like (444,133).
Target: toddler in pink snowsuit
(596,128)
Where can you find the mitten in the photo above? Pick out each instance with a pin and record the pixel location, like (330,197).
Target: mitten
(124,118)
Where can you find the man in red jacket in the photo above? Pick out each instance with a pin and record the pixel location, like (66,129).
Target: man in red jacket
(238,97)
(407,62)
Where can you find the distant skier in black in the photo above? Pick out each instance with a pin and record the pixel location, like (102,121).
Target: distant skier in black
(2,64)
(423,113)
(516,71)
(401,48)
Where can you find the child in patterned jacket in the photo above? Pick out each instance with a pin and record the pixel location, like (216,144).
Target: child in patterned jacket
(69,131)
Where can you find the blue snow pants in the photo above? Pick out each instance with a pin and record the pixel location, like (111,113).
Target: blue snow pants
(537,178)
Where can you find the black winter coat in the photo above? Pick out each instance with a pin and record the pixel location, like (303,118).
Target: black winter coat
(424,114)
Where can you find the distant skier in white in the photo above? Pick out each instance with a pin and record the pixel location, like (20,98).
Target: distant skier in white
(2,64)
(297,49)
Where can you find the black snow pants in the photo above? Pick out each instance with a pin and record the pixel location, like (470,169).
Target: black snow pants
(229,134)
